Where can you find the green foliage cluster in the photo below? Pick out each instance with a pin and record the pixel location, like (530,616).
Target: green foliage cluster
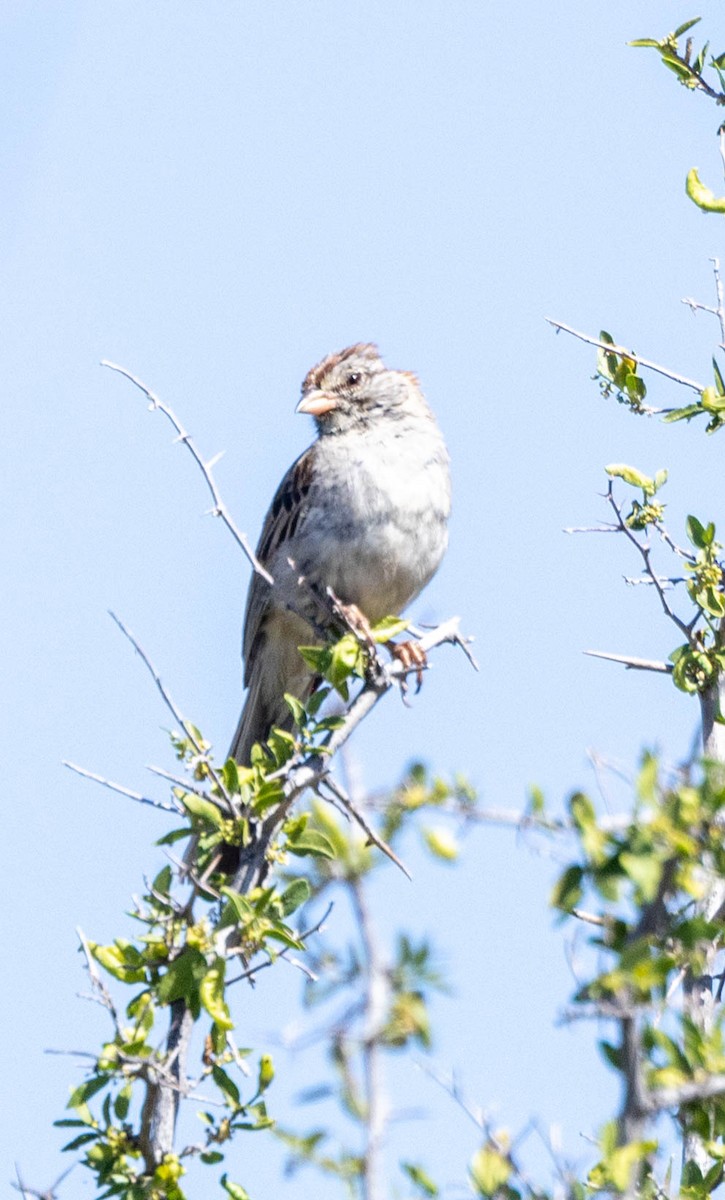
(200,935)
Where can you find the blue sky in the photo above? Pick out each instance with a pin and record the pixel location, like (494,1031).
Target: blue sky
(216,196)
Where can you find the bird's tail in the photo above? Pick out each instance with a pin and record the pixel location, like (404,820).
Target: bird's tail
(256,722)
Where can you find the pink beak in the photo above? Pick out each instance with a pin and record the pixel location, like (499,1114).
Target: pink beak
(316,403)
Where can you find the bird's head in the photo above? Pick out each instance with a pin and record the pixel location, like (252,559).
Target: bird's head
(353,387)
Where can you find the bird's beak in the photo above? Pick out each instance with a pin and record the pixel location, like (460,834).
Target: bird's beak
(316,403)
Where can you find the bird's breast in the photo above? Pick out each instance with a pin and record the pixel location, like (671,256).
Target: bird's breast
(376,530)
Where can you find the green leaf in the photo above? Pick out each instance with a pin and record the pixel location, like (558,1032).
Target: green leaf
(568,890)
(582,811)
(266,1073)
(81,1140)
(211,994)
(701,195)
(297,708)
(621,1163)
(687,25)
(317,699)
(683,414)
(613,1054)
(441,843)
(227,1087)
(718,377)
(645,42)
(700,535)
(389,628)
(174,835)
(645,870)
(204,810)
(121,960)
(239,908)
(310,841)
(711,400)
(489,1170)
(316,657)
(420,1179)
(631,476)
(122,1102)
(211,1157)
(162,882)
(635,386)
(230,775)
(182,978)
(83,1093)
(346,659)
(537,801)
(294,896)
(675,64)
(235,1190)
(647,778)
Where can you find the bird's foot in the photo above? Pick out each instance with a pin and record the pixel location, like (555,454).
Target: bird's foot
(413,658)
(355,621)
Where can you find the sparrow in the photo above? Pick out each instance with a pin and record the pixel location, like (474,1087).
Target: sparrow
(363,511)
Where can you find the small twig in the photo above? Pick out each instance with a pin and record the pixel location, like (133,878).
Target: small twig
(165,696)
(220,509)
(667,581)
(188,786)
(122,791)
(631,663)
(284,953)
(591,529)
(99,987)
(356,815)
(589,918)
(231,1043)
(621,352)
(716,268)
(697,305)
(49,1193)
(686,1093)
(451,1087)
(644,550)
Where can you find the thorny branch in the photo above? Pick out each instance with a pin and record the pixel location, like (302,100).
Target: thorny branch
(175,712)
(719,310)
(207,468)
(622,352)
(644,550)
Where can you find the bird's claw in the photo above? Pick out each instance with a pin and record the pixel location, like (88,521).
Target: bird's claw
(413,658)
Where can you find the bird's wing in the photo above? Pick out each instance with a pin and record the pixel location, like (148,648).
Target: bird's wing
(287,510)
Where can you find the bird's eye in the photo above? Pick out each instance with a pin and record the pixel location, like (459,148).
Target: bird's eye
(353,378)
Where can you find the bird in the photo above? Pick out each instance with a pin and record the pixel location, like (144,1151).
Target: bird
(363,511)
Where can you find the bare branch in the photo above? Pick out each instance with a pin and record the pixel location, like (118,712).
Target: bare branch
(175,712)
(633,664)
(356,815)
(49,1193)
(220,509)
(621,352)
(591,529)
(122,791)
(645,550)
(719,311)
(686,1093)
(100,990)
(229,808)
